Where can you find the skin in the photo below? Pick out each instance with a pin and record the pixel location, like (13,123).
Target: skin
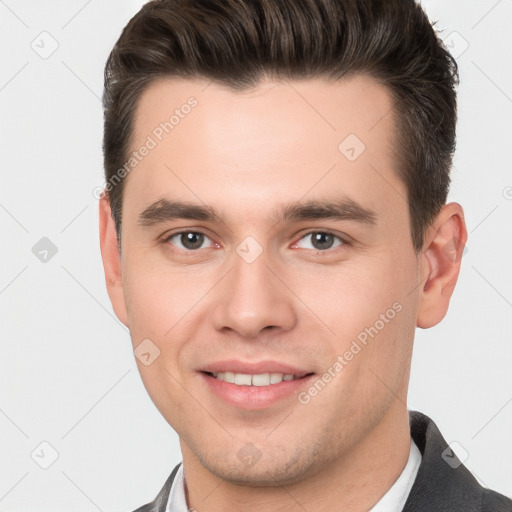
(245,154)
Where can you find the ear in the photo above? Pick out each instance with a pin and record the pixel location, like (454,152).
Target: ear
(111,259)
(440,264)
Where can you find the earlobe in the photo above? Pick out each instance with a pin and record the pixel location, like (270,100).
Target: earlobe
(440,264)
(111,259)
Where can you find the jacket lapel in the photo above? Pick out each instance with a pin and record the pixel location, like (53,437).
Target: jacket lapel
(442,484)
(160,502)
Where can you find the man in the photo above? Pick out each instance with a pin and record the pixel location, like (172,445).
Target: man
(274,228)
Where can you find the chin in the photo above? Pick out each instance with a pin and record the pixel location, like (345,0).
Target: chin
(266,471)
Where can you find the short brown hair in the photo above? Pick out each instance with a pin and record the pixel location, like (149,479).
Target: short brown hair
(237,43)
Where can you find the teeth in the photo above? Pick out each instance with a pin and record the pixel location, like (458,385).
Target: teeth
(229,377)
(242,380)
(262,379)
(276,378)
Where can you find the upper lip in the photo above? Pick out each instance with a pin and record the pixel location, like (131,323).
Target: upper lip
(253,368)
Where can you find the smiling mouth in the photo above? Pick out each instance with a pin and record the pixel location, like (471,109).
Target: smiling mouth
(261,379)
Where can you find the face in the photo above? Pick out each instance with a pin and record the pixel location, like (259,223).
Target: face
(289,253)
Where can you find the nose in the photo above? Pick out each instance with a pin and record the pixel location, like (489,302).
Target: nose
(251,298)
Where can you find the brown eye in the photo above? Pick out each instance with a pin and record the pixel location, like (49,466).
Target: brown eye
(321,240)
(188,240)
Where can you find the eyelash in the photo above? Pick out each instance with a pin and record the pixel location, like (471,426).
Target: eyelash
(344,241)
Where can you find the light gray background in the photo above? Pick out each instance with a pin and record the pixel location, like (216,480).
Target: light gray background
(68,376)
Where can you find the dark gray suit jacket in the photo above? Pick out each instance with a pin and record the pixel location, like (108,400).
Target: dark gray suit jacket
(441,485)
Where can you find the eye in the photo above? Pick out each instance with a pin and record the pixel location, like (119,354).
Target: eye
(320,240)
(188,240)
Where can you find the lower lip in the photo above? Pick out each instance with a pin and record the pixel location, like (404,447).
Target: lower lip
(254,397)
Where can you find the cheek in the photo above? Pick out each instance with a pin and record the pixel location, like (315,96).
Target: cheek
(158,299)
(348,297)
(163,306)
(371,313)
(158,306)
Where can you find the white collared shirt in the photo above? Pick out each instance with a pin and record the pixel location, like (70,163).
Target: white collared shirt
(393,501)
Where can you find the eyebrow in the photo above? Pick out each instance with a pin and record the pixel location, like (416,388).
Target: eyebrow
(344,208)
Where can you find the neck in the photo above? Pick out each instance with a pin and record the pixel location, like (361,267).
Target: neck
(354,482)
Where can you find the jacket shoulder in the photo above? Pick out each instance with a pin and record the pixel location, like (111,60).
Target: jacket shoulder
(146,508)
(493,501)
(160,502)
(443,483)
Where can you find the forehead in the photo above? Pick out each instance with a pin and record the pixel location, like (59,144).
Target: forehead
(281,139)
(357,104)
